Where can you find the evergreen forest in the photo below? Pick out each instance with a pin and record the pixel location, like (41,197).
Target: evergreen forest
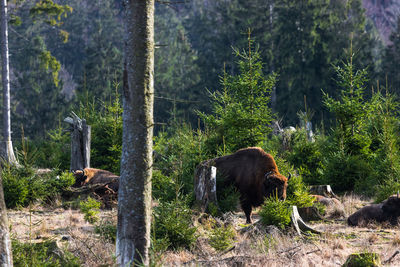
(312,83)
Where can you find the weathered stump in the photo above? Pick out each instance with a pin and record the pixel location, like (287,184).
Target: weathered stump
(80,142)
(205,186)
(324,190)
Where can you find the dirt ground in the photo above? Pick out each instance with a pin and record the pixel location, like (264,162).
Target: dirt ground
(254,246)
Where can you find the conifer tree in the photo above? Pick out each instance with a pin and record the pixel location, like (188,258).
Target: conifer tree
(391,59)
(241,113)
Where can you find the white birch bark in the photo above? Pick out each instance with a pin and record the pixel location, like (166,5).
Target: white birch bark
(134,195)
(5,241)
(7,147)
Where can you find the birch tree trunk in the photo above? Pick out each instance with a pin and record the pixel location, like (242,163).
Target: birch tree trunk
(5,241)
(7,147)
(134,195)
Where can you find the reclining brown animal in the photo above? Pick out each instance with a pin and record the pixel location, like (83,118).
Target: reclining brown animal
(91,176)
(387,211)
(334,208)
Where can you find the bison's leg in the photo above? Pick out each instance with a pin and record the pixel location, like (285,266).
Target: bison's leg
(247,211)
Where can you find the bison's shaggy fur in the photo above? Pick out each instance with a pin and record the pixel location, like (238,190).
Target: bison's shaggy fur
(388,210)
(255,174)
(90,176)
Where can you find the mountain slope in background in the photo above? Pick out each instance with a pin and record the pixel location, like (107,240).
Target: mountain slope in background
(384,14)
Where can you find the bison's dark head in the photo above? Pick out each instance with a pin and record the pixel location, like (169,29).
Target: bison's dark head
(391,209)
(275,185)
(79,177)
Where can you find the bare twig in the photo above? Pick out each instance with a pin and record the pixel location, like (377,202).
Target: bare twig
(84,242)
(313,251)
(228,250)
(391,257)
(289,249)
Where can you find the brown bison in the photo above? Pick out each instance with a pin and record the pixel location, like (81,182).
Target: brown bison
(255,174)
(90,176)
(387,211)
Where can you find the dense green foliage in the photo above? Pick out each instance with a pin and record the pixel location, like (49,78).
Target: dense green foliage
(364,259)
(173,222)
(362,150)
(275,212)
(221,238)
(299,40)
(391,57)
(91,209)
(306,156)
(107,230)
(45,254)
(177,153)
(106,123)
(297,50)
(23,186)
(241,113)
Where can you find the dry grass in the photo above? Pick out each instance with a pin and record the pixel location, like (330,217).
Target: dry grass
(254,245)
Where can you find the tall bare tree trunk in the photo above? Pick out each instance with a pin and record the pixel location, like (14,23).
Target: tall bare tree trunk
(7,147)
(5,241)
(134,195)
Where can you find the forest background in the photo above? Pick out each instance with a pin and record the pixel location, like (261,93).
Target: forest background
(300,46)
(224,72)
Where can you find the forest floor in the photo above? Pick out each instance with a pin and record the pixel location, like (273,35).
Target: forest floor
(254,245)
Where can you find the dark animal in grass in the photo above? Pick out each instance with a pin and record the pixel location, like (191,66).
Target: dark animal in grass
(387,211)
(92,176)
(334,208)
(255,175)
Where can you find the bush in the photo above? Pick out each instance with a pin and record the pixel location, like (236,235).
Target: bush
(107,230)
(342,170)
(222,238)
(15,189)
(105,118)
(297,193)
(23,186)
(45,254)
(228,196)
(241,112)
(90,209)
(177,153)
(54,151)
(173,220)
(306,156)
(386,189)
(164,188)
(366,259)
(275,212)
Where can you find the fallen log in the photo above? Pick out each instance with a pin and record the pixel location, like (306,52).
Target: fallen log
(103,192)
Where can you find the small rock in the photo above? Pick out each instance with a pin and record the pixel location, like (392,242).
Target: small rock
(66,238)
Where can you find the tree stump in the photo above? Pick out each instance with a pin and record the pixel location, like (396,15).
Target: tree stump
(205,186)
(323,190)
(80,142)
